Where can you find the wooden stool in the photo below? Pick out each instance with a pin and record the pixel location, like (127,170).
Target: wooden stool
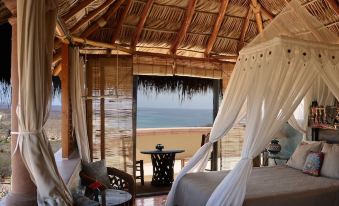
(139,167)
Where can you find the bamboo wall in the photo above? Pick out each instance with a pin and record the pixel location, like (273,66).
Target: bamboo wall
(110,88)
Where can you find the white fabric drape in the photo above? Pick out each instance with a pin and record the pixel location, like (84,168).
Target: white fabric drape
(36,27)
(275,93)
(231,104)
(320,92)
(78,104)
(273,73)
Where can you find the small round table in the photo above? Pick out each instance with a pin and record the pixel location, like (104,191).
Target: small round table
(163,163)
(111,197)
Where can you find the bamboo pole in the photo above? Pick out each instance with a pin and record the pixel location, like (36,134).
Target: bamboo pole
(102,114)
(184,27)
(89,109)
(121,21)
(66,117)
(244,29)
(75,9)
(217,25)
(144,15)
(91,15)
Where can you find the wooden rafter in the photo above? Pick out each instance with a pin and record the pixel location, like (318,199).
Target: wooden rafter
(216,28)
(75,9)
(334,5)
(244,29)
(184,27)
(256,9)
(121,21)
(144,15)
(91,15)
(265,12)
(100,44)
(101,22)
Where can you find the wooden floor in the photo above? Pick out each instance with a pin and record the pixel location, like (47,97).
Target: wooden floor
(151,201)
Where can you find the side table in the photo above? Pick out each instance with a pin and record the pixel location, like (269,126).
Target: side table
(112,197)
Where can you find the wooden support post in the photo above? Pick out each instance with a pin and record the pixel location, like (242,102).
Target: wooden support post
(216,92)
(134,121)
(256,9)
(66,118)
(89,109)
(23,190)
(102,113)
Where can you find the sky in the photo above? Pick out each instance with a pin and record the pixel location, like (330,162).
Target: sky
(171,100)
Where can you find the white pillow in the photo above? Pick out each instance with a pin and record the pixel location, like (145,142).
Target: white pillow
(330,166)
(299,156)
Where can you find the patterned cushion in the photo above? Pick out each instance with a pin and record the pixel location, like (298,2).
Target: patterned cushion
(97,170)
(299,156)
(313,163)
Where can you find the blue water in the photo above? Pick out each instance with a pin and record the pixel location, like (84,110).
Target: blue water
(166,117)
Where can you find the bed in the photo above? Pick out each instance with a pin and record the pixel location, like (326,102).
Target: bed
(267,186)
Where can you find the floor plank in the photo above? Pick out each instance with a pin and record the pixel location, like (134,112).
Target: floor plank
(151,201)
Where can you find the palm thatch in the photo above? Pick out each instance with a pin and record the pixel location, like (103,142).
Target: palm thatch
(185,87)
(195,28)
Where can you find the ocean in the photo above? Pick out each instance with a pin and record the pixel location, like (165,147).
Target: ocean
(170,117)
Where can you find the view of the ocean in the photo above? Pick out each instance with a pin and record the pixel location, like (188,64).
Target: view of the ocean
(173,117)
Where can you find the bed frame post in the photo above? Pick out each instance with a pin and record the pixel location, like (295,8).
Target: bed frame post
(216,92)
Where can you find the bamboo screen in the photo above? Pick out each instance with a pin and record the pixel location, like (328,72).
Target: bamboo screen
(165,66)
(110,95)
(231,146)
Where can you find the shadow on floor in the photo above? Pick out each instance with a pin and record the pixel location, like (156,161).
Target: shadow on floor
(147,190)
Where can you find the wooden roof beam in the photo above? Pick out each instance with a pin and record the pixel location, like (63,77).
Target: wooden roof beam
(244,29)
(91,15)
(256,9)
(121,21)
(75,9)
(265,12)
(184,27)
(138,30)
(100,44)
(101,22)
(334,5)
(217,25)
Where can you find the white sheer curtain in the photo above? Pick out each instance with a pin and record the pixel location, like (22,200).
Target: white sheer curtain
(36,27)
(276,91)
(231,105)
(329,70)
(78,104)
(320,92)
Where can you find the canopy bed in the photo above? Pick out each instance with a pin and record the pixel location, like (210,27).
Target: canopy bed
(272,76)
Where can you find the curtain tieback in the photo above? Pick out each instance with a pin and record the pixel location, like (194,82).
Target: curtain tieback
(27,132)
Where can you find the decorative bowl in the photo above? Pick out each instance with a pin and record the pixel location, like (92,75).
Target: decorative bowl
(159,147)
(274,147)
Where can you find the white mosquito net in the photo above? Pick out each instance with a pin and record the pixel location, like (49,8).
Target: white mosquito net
(272,76)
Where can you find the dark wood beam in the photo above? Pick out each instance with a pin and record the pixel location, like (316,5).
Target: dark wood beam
(256,10)
(334,5)
(75,9)
(66,118)
(184,27)
(244,29)
(121,21)
(91,15)
(101,22)
(144,15)
(217,25)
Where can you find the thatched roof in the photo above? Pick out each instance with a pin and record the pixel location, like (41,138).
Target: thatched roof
(195,28)
(4,13)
